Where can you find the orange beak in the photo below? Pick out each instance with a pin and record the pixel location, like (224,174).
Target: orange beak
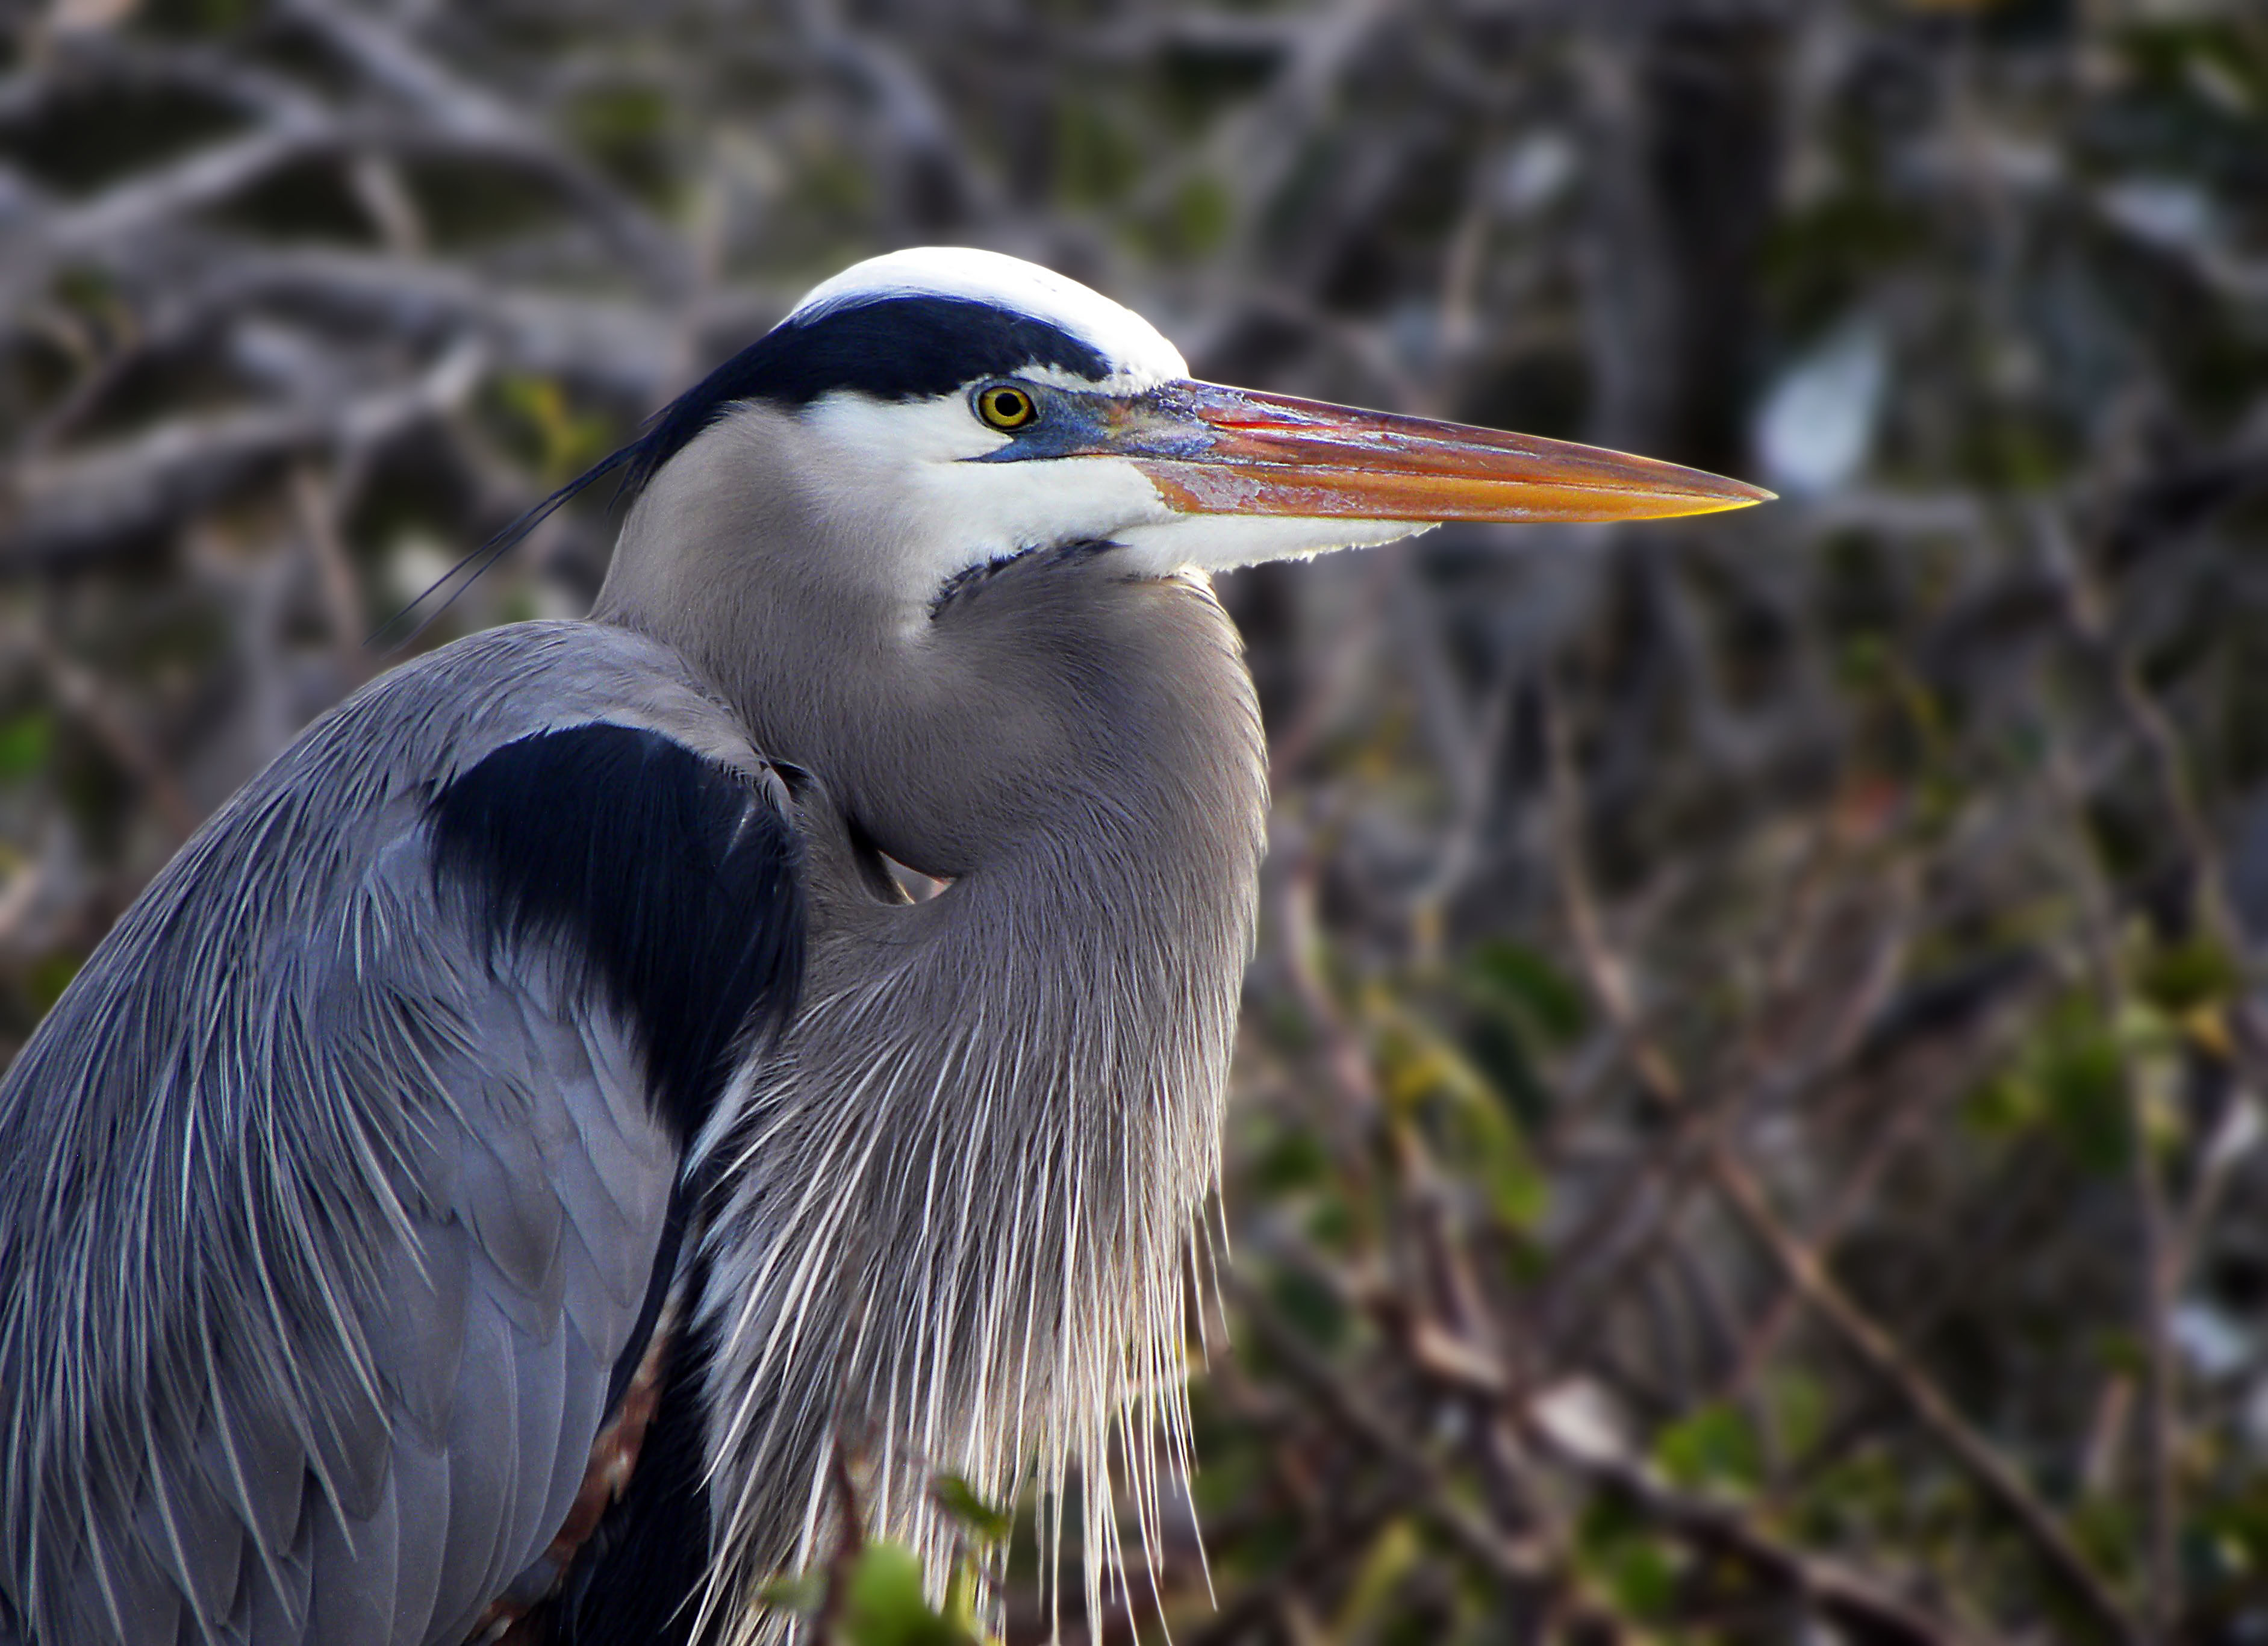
(1214,450)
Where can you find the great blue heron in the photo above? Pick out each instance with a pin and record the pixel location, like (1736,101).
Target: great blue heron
(527,1131)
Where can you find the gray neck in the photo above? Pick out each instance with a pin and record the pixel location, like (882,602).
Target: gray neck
(1035,699)
(953,1207)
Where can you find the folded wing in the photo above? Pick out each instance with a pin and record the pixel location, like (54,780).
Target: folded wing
(338,1194)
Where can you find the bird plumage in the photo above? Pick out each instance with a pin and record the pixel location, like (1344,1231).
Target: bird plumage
(525,1139)
(954,1205)
(336,1181)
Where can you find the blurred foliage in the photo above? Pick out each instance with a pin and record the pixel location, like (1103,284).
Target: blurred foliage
(1748,1125)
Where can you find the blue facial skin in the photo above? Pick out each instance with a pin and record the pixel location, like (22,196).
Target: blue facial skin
(1070,424)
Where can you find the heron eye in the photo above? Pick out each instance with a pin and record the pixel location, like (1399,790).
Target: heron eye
(1005,407)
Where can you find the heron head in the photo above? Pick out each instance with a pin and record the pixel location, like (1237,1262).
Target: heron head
(956,409)
(814,521)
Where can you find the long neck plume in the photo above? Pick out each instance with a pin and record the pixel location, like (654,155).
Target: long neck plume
(949,1211)
(954,1207)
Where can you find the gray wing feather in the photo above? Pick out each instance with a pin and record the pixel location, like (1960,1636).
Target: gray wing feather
(120,1592)
(186,1524)
(322,1227)
(351,1431)
(420,1477)
(483,1465)
(423,1334)
(206,1540)
(514,1219)
(354,1587)
(277,1609)
(581,1410)
(261,1470)
(542,1375)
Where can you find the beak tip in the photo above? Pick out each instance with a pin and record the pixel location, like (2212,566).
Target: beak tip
(1723,494)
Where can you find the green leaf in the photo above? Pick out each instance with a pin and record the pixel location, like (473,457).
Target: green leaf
(802,1594)
(2081,1071)
(883,1603)
(985,1522)
(626,129)
(565,443)
(1799,1409)
(1642,1577)
(2123,1353)
(1713,1446)
(1427,1077)
(25,742)
(1393,1556)
(1290,1161)
(1550,1003)
(49,976)
(1202,214)
(2005,1106)
(1310,1305)
(2070,1080)
(2179,978)
(1096,159)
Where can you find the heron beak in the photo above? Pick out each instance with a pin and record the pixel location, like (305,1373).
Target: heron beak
(1234,451)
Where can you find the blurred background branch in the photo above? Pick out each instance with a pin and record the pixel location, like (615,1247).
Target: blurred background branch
(1749,1113)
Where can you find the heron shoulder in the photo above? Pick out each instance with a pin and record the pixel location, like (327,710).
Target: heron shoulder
(436,716)
(462,965)
(583,794)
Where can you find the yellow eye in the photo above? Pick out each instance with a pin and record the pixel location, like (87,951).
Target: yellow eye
(1005,407)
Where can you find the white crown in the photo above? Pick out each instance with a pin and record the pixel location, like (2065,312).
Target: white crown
(1140,357)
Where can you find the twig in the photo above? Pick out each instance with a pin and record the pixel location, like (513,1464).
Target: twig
(457,109)
(1845,1596)
(1921,1396)
(1800,1265)
(1608,979)
(1904,1126)
(316,504)
(2160,1278)
(82,695)
(1346,1525)
(1521,1566)
(72,508)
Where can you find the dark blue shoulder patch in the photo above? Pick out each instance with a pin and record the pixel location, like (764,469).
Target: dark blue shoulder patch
(674,881)
(898,347)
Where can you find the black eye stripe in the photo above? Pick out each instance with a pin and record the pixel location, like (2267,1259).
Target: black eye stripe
(889,349)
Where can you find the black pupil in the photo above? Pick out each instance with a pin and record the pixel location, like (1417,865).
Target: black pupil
(1008,405)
